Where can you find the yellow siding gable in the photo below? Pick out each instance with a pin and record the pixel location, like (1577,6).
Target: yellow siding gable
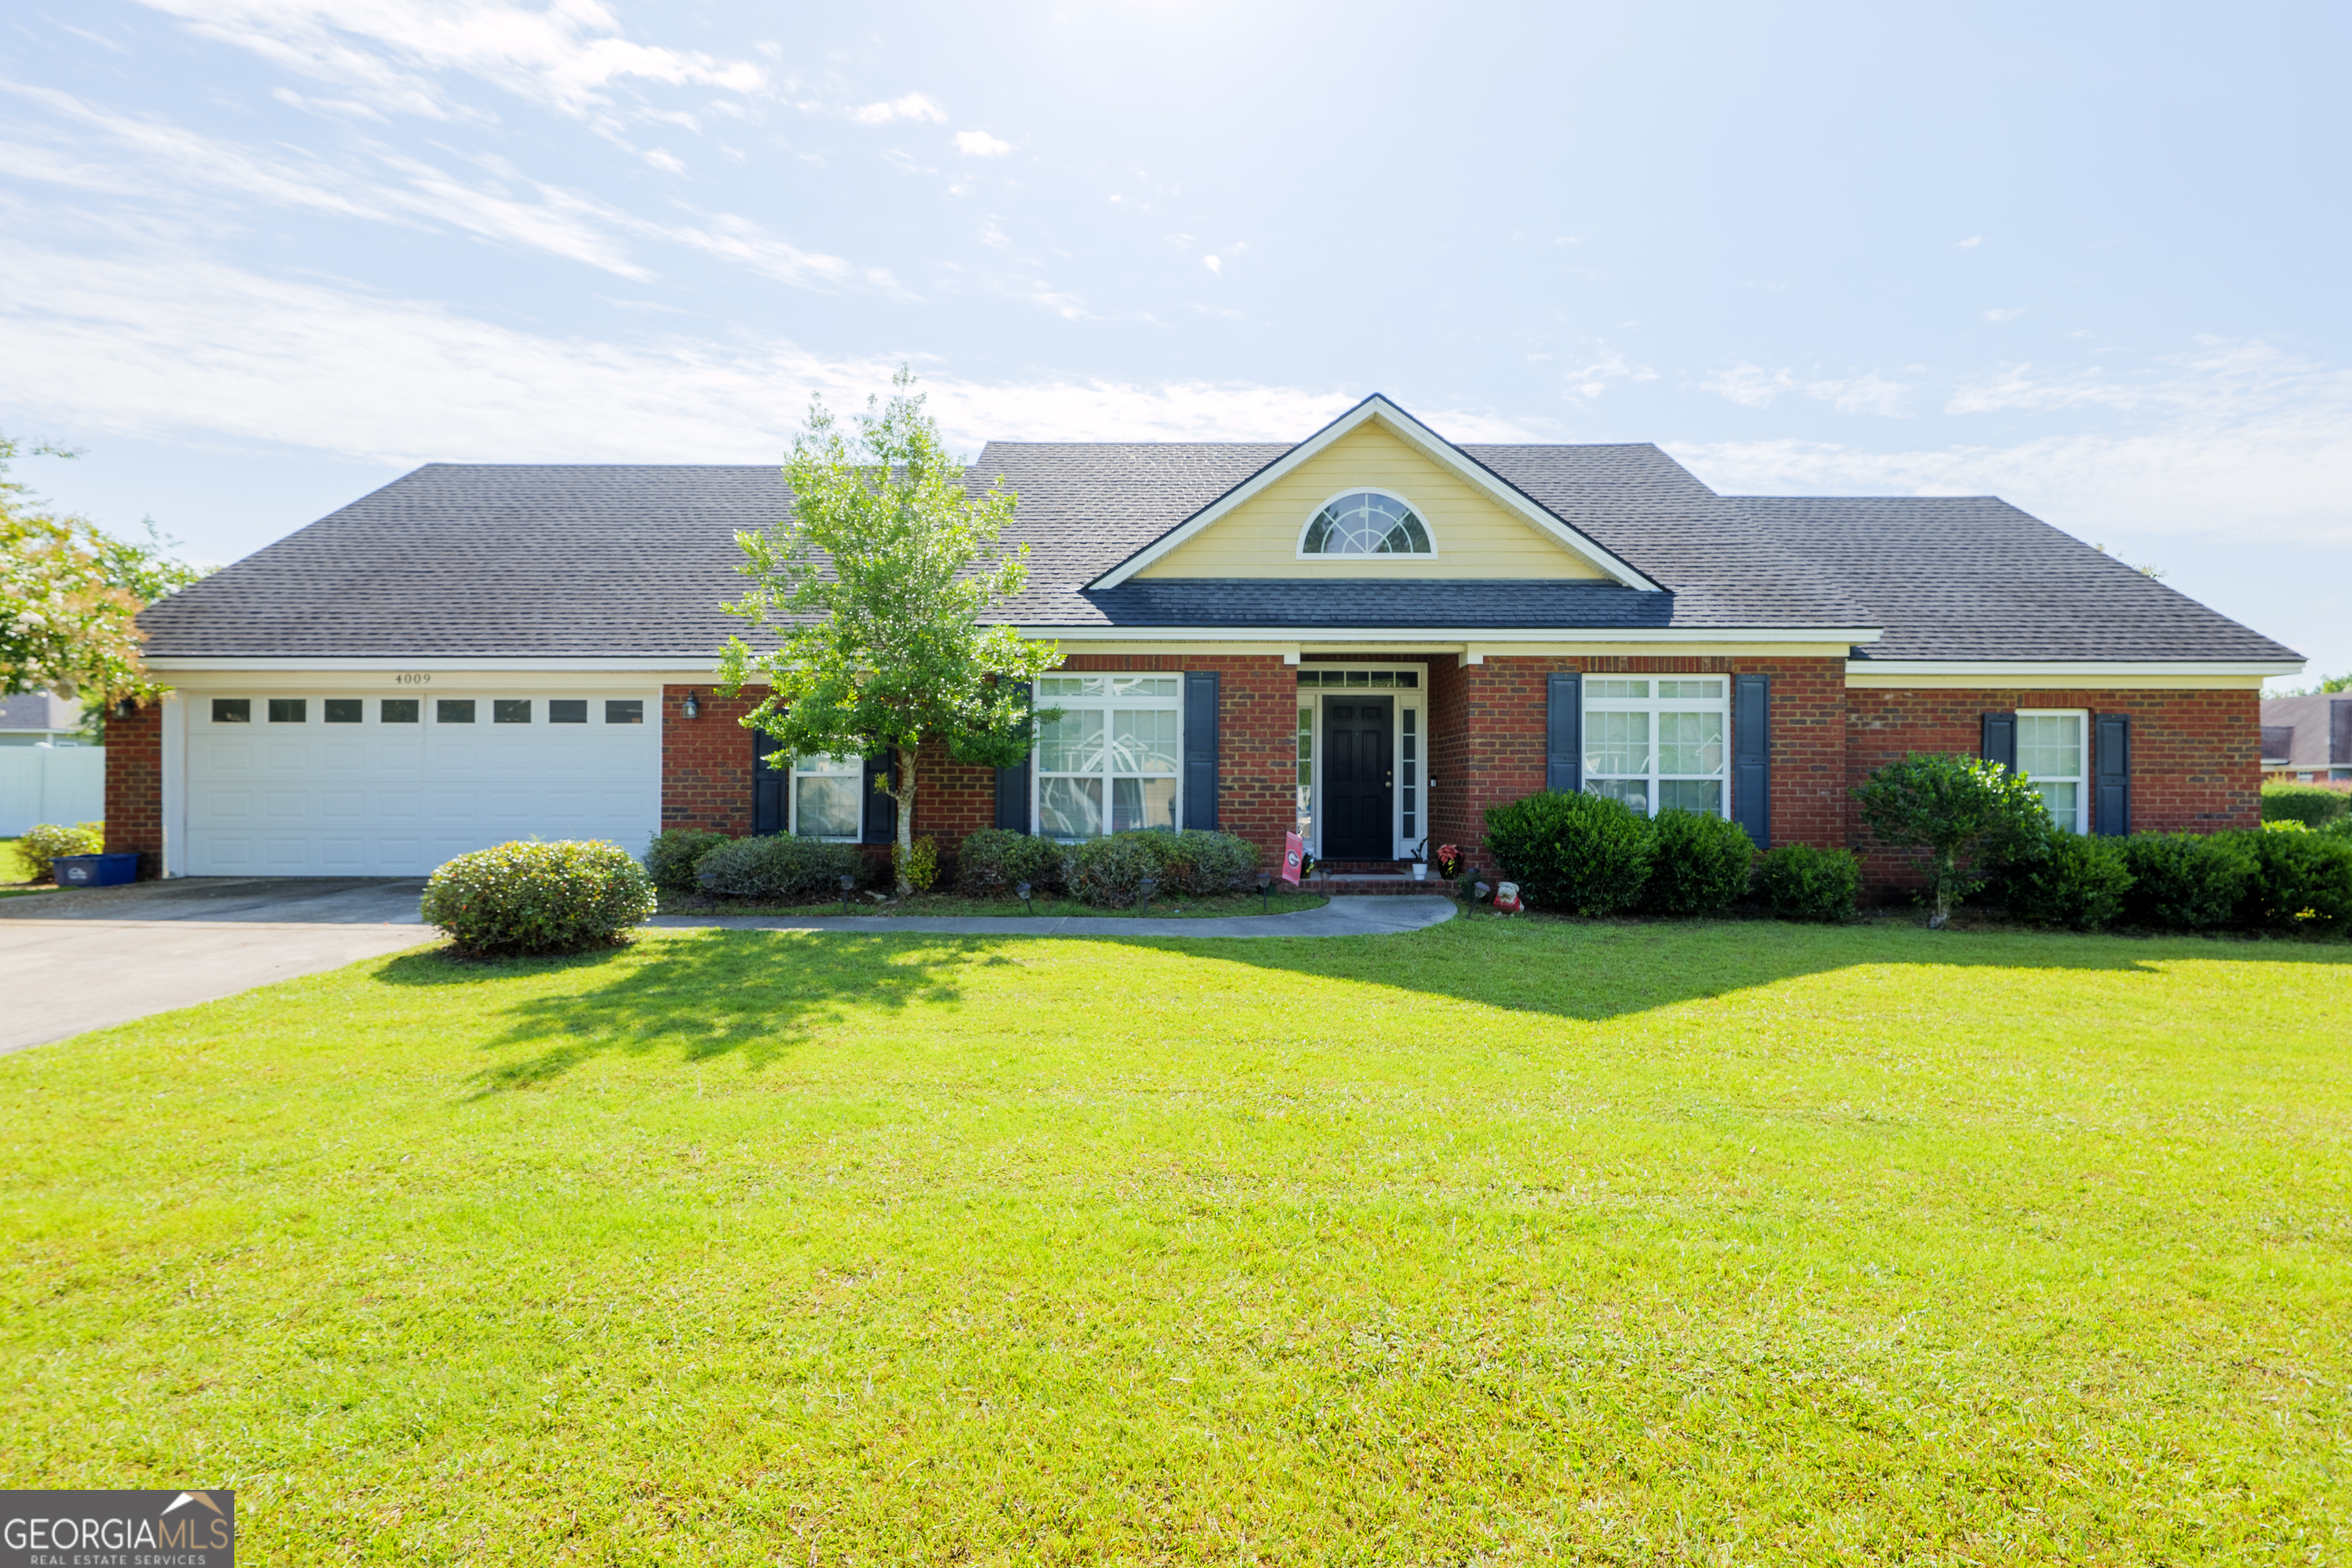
(1474,537)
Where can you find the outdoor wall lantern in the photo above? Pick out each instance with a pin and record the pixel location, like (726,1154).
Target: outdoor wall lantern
(693,706)
(1022,892)
(126,709)
(847,883)
(1144,887)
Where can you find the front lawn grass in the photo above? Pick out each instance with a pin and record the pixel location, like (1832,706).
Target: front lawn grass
(1499,1242)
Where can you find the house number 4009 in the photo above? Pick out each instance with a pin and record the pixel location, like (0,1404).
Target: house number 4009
(411,680)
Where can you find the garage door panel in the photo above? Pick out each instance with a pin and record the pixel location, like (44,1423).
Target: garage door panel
(308,798)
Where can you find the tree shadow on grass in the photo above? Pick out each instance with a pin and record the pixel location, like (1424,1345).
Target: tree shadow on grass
(1595,970)
(706,994)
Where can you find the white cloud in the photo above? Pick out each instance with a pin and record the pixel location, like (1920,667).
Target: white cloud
(567,57)
(1213,263)
(913,106)
(980,144)
(159,347)
(667,162)
(2004,312)
(1970,243)
(1592,378)
(1752,386)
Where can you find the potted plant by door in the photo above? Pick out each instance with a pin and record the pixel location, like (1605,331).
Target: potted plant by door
(1421,861)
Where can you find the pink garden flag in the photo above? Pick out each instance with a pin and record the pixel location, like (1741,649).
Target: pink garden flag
(1292,847)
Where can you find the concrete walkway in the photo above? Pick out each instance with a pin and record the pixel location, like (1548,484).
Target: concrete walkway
(1340,916)
(85,958)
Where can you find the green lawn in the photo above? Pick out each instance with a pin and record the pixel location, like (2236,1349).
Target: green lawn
(1502,1242)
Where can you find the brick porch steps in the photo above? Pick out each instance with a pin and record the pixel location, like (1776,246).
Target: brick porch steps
(1358,884)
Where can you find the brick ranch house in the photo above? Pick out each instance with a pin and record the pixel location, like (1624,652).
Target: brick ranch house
(1375,634)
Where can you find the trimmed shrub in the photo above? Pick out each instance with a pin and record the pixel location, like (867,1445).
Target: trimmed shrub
(996,860)
(2185,881)
(2314,806)
(1699,865)
(2055,878)
(918,863)
(47,841)
(671,857)
(2301,879)
(779,865)
(1799,883)
(1109,872)
(2339,829)
(1964,812)
(1579,853)
(1198,863)
(539,898)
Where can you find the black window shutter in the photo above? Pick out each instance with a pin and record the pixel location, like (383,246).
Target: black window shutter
(1201,748)
(768,785)
(881,809)
(1564,733)
(2001,739)
(1013,796)
(2111,776)
(1751,757)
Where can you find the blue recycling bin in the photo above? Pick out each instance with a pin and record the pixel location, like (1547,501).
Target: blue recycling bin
(95,870)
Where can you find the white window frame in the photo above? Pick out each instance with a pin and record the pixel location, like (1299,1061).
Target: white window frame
(1655,705)
(2081,780)
(1298,549)
(827,768)
(1108,704)
(1413,699)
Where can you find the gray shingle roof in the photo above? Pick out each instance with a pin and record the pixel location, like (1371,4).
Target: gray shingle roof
(2318,730)
(579,560)
(1971,577)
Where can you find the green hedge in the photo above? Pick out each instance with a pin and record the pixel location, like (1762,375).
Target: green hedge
(2314,806)
(675,852)
(527,898)
(1108,873)
(2186,881)
(1699,865)
(996,860)
(779,865)
(1799,883)
(2303,881)
(1576,853)
(2055,878)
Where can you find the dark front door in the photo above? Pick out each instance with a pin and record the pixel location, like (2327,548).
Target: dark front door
(1358,779)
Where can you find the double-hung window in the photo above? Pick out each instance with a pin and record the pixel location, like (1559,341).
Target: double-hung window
(1656,742)
(1110,763)
(2053,755)
(826,797)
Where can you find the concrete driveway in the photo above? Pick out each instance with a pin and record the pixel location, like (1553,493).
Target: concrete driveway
(84,958)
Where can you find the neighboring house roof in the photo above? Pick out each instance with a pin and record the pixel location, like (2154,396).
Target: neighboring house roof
(2308,731)
(483,561)
(39,710)
(1971,577)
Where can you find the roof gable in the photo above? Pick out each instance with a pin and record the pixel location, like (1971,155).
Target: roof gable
(1256,501)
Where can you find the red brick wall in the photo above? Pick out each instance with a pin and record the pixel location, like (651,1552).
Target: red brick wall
(134,787)
(707,762)
(2196,755)
(1486,737)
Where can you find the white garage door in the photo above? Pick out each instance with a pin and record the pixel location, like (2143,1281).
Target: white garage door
(334,784)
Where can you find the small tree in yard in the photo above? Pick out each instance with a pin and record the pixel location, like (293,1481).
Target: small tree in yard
(876,585)
(1957,809)
(69,596)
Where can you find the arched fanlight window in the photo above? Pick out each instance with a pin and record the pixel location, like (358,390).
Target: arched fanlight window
(1366,522)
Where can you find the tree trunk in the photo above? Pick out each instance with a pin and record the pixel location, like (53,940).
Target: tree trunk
(1947,871)
(905,795)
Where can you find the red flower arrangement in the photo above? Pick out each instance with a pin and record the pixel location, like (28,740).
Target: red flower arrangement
(1449,861)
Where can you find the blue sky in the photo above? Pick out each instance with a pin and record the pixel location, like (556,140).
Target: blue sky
(264,255)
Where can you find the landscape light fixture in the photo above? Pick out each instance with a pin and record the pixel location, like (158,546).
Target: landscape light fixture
(1144,888)
(1022,892)
(847,882)
(1265,893)
(693,706)
(1478,893)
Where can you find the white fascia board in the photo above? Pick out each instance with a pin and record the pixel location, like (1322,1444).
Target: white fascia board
(1432,446)
(1842,636)
(1995,669)
(700,666)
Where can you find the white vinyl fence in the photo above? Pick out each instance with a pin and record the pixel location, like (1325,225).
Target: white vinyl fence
(50,784)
